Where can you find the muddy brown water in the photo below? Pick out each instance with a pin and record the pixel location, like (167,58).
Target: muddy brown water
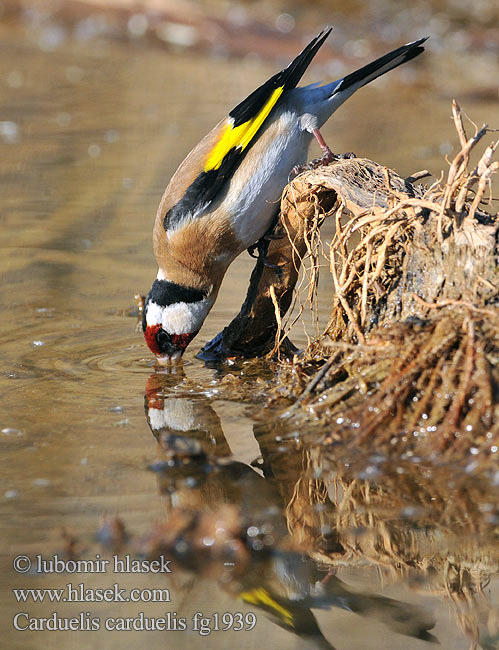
(89,138)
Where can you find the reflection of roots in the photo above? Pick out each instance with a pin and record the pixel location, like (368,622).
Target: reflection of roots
(452,547)
(412,344)
(465,589)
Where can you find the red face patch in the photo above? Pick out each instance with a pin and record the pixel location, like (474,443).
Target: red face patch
(181,341)
(150,337)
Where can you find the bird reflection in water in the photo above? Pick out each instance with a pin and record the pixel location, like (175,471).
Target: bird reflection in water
(226,522)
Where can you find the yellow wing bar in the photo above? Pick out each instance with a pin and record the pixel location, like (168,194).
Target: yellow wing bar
(240,136)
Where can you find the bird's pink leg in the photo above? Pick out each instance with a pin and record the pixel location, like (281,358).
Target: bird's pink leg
(327,156)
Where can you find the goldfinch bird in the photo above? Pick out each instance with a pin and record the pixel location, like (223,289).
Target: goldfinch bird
(222,199)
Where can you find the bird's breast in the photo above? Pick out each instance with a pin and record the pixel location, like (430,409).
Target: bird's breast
(255,189)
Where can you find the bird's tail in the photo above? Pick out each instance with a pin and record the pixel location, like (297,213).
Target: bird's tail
(376,68)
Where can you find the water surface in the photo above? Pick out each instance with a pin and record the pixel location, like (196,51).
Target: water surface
(89,139)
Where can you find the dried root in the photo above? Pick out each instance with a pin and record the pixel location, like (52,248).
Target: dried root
(412,344)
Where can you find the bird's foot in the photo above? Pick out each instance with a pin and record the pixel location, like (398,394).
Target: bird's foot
(328,157)
(256,250)
(259,251)
(345,156)
(262,245)
(259,246)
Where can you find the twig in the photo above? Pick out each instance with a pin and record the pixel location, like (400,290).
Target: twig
(424,173)
(458,121)
(456,303)
(310,387)
(278,320)
(346,307)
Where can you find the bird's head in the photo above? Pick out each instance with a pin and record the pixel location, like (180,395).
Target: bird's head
(172,316)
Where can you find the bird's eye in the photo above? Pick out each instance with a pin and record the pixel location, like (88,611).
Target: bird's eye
(163,338)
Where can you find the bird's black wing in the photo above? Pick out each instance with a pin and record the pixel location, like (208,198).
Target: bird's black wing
(242,126)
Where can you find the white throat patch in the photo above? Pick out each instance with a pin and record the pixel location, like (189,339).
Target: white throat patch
(179,318)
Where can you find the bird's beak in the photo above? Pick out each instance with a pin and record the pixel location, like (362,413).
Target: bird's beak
(167,360)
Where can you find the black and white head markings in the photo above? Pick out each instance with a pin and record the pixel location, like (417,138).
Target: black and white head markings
(172,316)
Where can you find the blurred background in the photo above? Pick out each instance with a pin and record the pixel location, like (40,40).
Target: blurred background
(99,103)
